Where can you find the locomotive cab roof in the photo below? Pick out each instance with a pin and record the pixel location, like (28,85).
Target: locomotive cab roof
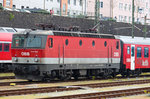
(66,33)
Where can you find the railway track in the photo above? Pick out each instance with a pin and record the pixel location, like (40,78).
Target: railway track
(108,94)
(7,77)
(66,88)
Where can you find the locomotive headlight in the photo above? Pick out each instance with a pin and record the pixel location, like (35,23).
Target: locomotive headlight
(36,59)
(15,59)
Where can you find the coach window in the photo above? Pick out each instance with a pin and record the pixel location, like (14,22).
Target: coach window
(105,43)
(128,50)
(146,52)
(50,42)
(67,42)
(117,45)
(80,42)
(139,51)
(6,47)
(0,46)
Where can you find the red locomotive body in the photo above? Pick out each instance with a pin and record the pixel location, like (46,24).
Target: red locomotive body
(53,54)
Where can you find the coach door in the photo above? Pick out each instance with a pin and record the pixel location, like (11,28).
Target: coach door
(132,57)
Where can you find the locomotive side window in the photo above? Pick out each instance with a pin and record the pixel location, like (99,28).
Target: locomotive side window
(80,42)
(146,52)
(93,43)
(50,42)
(0,46)
(128,50)
(117,45)
(105,43)
(67,42)
(6,47)
(139,51)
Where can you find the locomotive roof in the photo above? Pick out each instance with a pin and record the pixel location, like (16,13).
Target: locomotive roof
(135,40)
(67,33)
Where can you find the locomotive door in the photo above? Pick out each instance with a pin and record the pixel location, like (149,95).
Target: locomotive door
(132,57)
(60,52)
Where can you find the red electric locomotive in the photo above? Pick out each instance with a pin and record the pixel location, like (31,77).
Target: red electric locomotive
(42,55)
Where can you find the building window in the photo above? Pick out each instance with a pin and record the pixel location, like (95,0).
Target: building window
(58,0)
(129,7)
(146,52)
(139,51)
(74,2)
(68,1)
(129,19)
(125,18)
(125,7)
(22,7)
(81,2)
(120,6)
(6,47)
(7,2)
(101,4)
(14,6)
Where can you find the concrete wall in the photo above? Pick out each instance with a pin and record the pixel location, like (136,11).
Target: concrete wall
(27,20)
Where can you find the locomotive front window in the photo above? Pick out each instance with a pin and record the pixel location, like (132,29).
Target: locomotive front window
(34,42)
(18,41)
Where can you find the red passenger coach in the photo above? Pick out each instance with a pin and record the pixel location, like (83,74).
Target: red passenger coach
(136,57)
(42,55)
(5,51)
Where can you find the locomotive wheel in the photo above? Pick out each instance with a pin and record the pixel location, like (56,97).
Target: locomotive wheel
(65,75)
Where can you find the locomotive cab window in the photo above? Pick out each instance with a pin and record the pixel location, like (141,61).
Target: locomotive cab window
(34,42)
(18,41)
(6,47)
(0,47)
(146,52)
(139,51)
(50,42)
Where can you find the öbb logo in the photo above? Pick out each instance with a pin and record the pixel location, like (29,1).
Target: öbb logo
(25,53)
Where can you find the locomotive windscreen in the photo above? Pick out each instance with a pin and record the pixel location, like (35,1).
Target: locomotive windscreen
(30,41)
